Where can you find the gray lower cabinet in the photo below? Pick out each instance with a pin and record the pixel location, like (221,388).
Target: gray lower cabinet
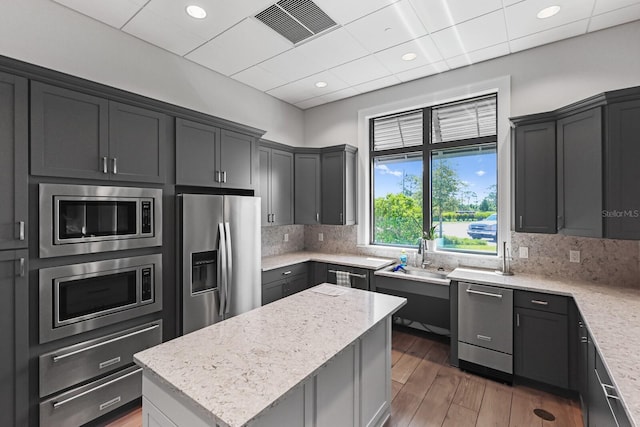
(13,161)
(14,351)
(76,135)
(359,278)
(276,186)
(307,188)
(285,281)
(535,177)
(541,336)
(318,273)
(339,185)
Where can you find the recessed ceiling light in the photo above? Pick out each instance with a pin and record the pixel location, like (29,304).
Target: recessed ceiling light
(321,84)
(548,12)
(196,11)
(409,56)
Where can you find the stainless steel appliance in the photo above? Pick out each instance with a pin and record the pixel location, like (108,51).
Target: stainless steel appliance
(485,328)
(78,219)
(220,257)
(81,297)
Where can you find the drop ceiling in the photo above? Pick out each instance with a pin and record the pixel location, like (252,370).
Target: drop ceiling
(363,51)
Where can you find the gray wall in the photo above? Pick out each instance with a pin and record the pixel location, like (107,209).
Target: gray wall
(45,33)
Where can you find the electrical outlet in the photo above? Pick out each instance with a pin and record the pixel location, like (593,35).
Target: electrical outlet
(574,256)
(524,252)
(286,237)
(320,237)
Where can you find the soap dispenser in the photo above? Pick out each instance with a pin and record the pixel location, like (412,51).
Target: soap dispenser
(403,258)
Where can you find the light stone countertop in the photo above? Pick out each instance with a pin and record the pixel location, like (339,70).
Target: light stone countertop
(350,260)
(612,315)
(230,372)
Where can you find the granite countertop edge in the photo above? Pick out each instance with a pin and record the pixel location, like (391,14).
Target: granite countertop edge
(351,260)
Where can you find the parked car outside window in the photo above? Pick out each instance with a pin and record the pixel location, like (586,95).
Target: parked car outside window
(485,229)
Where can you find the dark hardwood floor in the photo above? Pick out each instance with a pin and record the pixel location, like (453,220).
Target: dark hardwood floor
(427,392)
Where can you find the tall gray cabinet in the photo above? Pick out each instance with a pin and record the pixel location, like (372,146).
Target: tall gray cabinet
(14,291)
(307,188)
(276,184)
(339,185)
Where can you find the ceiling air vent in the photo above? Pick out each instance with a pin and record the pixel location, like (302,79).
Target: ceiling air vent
(296,20)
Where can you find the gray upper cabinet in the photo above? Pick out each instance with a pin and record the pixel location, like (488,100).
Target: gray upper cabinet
(339,186)
(535,177)
(212,157)
(76,135)
(580,174)
(276,186)
(307,188)
(13,161)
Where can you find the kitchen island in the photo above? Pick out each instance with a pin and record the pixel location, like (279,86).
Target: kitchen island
(309,359)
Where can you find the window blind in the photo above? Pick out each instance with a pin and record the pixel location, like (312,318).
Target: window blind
(397,131)
(464,120)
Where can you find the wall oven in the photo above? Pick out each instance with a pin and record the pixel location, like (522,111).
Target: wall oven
(78,219)
(81,297)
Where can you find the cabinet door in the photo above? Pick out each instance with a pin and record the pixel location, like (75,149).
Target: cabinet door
(333,182)
(272,292)
(535,178)
(622,171)
(336,391)
(137,143)
(69,133)
(13,161)
(265,185)
(196,153)
(319,273)
(296,284)
(540,347)
(237,160)
(307,188)
(281,187)
(14,318)
(580,174)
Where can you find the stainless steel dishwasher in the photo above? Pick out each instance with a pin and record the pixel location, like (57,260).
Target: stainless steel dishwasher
(485,327)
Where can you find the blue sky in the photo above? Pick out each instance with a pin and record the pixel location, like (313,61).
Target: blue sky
(479,171)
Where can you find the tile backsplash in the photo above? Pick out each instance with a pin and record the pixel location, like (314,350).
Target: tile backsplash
(273,239)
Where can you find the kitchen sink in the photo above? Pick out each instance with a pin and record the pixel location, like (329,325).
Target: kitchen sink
(425,273)
(414,273)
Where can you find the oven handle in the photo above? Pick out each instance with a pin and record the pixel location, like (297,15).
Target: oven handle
(227,290)
(56,405)
(91,347)
(223,268)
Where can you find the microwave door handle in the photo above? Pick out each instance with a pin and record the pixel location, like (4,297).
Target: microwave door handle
(223,267)
(229,282)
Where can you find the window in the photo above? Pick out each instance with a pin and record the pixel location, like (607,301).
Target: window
(456,144)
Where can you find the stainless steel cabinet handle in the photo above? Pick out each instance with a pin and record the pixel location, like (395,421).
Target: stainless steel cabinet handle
(341,216)
(359,276)
(56,405)
(486,294)
(115,165)
(91,347)
(21,267)
(104,165)
(111,402)
(539,302)
(317,217)
(21,230)
(224,176)
(109,362)
(520,221)
(606,388)
(584,340)
(518,320)
(286,273)
(484,338)
(217,179)
(273,217)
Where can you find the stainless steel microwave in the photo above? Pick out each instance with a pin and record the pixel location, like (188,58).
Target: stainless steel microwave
(78,219)
(81,297)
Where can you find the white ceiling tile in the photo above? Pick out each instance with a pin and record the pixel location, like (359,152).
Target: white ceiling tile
(603,6)
(259,78)
(439,14)
(340,94)
(361,70)
(242,46)
(114,12)
(344,12)
(522,19)
(487,30)
(377,84)
(616,17)
(510,2)
(333,48)
(570,30)
(292,65)
(423,71)
(424,47)
(292,93)
(334,83)
(479,55)
(310,103)
(387,27)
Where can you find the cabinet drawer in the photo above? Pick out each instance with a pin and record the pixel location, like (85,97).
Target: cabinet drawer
(72,365)
(541,301)
(284,272)
(83,404)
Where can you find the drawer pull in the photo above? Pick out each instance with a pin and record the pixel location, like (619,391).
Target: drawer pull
(111,402)
(606,388)
(286,273)
(539,302)
(109,362)
(486,294)
(91,347)
(57,405)
(21,230)
(484,338)
(359,276)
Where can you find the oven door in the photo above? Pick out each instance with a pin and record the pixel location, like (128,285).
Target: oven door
(81,297)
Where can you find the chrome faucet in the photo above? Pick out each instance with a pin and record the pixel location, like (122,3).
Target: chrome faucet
(506,257)
(422,249)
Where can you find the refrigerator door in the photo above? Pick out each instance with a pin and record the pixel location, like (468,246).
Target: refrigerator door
(244,289)
(202,274)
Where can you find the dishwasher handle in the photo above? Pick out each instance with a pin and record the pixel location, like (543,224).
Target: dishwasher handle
(486,294)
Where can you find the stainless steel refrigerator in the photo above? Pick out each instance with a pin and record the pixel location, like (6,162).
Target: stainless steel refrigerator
(219,245)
